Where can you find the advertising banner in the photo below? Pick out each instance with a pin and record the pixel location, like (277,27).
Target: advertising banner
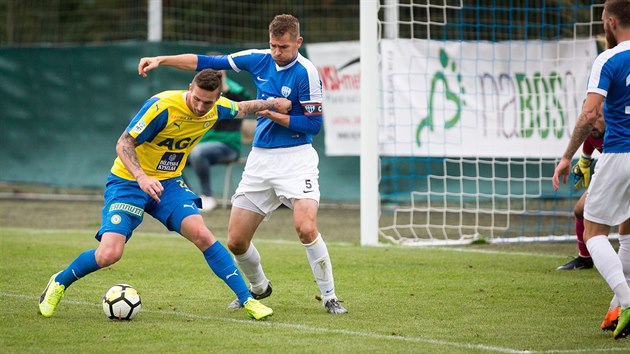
(504,99)
(338,65)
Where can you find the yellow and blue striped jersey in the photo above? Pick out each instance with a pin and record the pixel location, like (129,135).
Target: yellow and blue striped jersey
(167,131)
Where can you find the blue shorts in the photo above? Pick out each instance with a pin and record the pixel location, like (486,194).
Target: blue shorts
(125,205)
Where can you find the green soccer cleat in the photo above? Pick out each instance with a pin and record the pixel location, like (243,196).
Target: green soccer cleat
(623,324)
(256,310)
(236,304)
(51,296)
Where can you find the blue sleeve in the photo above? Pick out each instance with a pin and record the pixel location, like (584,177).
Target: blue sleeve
(155,125)
(254,61)
(226,108)
(219,62)
(307,125)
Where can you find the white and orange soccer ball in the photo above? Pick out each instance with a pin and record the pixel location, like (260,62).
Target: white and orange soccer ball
(121,302)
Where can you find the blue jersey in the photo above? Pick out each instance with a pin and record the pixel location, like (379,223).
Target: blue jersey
(298,81)
(610,77)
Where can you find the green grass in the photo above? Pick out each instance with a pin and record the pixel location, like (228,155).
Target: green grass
(435,300)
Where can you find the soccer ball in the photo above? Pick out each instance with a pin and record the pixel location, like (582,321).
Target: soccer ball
(121,302)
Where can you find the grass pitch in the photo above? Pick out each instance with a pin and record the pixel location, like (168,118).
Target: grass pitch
(476,299)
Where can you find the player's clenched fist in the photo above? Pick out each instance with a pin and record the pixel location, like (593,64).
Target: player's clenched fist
(282,105)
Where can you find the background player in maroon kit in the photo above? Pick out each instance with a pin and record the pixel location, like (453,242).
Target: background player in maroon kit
(582,172)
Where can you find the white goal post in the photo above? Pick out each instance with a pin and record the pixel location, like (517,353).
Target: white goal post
(369,123)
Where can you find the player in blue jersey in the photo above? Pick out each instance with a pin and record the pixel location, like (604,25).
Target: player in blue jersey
(146,178)
(282,167)
(608,200)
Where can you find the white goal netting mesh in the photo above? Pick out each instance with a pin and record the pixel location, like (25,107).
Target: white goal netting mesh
(478,100)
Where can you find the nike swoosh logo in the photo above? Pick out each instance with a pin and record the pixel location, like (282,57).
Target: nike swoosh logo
(307,191)
(260,78)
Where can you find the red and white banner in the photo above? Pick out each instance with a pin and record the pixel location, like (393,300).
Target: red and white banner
(338,66)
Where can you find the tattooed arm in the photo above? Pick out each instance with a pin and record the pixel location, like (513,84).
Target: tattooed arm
(126,150)
(591,109)
(282,105)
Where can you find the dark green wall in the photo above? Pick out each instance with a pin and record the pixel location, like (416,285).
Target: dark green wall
(63,109)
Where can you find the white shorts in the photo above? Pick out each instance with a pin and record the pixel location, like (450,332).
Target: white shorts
(608,199)
(279,176)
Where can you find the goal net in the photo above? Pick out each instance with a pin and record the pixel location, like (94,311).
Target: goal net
(477,101)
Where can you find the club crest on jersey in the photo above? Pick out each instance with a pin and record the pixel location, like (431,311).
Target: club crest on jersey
(286,91)
(115,219)
(312,109)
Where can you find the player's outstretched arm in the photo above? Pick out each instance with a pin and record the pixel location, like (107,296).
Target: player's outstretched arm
(126,150)
(281,105)
(182,61)
(591,109)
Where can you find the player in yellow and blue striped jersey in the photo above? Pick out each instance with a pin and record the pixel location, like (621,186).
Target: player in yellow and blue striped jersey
(146,177)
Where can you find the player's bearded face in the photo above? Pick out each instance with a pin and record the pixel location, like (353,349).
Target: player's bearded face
(284,49)
(201,101)
(610,36)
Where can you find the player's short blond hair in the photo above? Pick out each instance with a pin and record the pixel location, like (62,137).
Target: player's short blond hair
(284,23)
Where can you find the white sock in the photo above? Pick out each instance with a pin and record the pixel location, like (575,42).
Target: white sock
(609,266)
(318,258)
(614,303)
(624,255)
(249,263)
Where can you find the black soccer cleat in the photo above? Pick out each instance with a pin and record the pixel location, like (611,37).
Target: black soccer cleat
(578,262)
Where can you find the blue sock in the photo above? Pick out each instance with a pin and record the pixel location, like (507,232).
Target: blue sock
(80,267)
(223,266)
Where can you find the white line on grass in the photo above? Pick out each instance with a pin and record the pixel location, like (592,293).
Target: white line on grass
(346,332)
